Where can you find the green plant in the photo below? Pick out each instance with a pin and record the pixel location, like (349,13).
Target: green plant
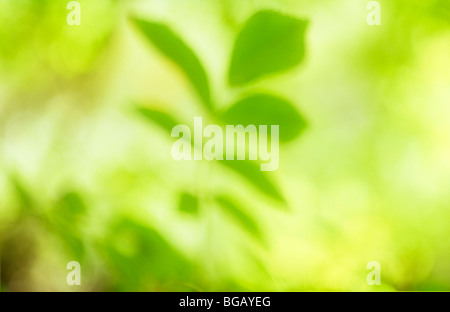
(268,43)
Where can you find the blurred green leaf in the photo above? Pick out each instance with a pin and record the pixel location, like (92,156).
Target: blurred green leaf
(268,43)
(22,193)
(162,119)
(172,46)
(251,171)
(70,238)
(142,255)
(73,203)
(240,216)
(188,203)
(265,109)
(66,223)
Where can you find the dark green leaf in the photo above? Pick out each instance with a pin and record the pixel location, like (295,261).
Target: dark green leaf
(188,203)
(240,216)
(265,109)
(268,43)
(179,52)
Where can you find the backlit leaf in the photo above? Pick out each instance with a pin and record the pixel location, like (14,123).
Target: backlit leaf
(173,47)
(240,216)
(265,109)
(252,173)
(160,118)
(268,43)
(188,203)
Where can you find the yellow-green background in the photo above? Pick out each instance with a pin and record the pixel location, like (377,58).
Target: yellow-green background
(84,178)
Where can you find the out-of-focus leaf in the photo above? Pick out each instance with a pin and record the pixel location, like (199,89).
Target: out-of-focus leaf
(67,229)
(268,43)
(248,169)
(71,239)
(240,216)
(188,203)
(266,109)
(25,197)
(251,172)
(141,255)
(164,120)
(73,203)
(171,45)
(65,221)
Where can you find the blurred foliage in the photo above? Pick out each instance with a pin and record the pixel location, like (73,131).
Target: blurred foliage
(364,161)
(252,49)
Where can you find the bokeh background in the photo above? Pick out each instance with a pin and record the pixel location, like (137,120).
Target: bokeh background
(84,177)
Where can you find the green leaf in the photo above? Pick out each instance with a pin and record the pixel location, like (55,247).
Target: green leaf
(67,222)
(269,42)
(251,171)
(173,47)
(73,204)
(240,216)
(140,254)
(162,119)
(22,193)
(188,203)
(70,237)
(265,109)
